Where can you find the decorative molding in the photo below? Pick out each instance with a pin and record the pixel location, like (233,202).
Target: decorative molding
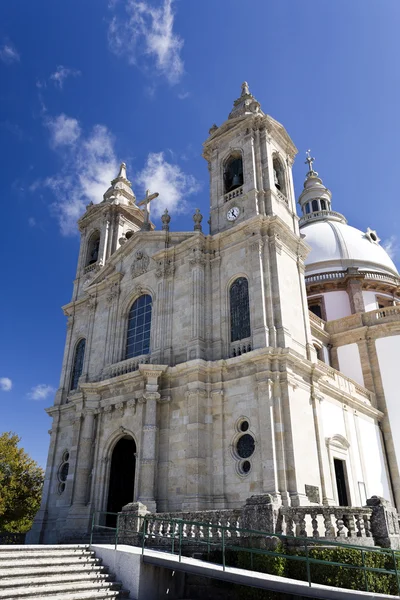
(140,264)
(197,257)
(92,302)
(165,269)
(113,292)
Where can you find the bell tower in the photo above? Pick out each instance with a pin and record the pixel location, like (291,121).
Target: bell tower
(105,227)
(250,159)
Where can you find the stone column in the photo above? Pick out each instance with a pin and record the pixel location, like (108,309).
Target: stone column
(103,248)
(148,453)
(195,452)
(84,465)
(218,438)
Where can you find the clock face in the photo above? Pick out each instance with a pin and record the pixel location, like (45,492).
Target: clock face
(233,214)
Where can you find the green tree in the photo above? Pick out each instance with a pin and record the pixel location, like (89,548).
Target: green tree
(21,482)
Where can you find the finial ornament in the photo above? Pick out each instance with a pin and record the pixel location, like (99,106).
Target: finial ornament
(245,88)
(165,219)
(309,160)
(197,218)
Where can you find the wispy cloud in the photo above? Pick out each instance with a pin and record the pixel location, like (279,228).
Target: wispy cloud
(183,95)
(32,222)
(5,384)
(392,246)
(41,392)
(147,32)
(173,185)
(61,74)
(9,54)
(64,131)
(89,164)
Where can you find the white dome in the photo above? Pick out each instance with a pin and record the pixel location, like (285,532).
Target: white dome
(337,246)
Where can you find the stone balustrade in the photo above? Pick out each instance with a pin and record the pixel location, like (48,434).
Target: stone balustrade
(321,214)
(372,317)
(125,366)
(334,275)
(240,347)
(282,197)
(90,268)
(336,523)
(331,275)
(234,194)
(320,323)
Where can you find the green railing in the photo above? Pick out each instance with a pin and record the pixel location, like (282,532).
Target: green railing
(176,534)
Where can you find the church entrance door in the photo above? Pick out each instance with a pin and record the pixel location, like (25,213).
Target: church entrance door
(122,477)
(341,484)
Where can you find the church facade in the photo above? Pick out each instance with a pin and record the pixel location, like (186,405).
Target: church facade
(194,374)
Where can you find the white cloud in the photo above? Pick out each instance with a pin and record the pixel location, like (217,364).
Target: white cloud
(64,131)
(392,246)
(32,222)
(9,54)
(147,31)
(61,74)
(5,384)
(41,392)
(89,165)
(183,95)
(173,185)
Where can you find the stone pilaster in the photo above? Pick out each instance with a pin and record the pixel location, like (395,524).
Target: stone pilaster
(354,290)
(258,295)
(268,448)
(218,436)
(195,455)
(280,437)
(323,460)
(197,264)
(148,453)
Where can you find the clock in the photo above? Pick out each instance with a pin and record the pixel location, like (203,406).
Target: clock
(232,213)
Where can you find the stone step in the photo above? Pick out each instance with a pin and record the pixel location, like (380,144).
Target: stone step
(88,595)
(47,560)
(50,570)
(40,591)
(43,547)
(31,554)
(33,579)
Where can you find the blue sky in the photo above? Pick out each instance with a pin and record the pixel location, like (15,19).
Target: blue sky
(87,84)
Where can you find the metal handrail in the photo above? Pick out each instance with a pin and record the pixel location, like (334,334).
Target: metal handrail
(308,543)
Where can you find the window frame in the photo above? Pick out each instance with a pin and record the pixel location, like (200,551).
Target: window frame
(134,341)
(72,371)
(232,283)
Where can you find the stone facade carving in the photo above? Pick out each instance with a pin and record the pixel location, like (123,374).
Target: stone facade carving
(140,264)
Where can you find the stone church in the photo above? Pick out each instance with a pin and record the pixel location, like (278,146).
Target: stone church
(202,368)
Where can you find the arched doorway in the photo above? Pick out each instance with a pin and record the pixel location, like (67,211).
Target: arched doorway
(122,477)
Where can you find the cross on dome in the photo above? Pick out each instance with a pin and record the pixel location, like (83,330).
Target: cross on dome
(309,160)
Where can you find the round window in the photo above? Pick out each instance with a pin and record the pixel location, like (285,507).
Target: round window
(244,425)
(245,446)
(245,466)
(63,474)
(61,487)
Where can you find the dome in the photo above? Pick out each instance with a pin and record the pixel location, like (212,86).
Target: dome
(336,246)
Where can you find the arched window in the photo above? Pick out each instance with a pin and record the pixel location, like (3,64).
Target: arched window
(139,325)
(93,248)
(233,172)
(77,366)
(240,309)
(323,204)
(308,210)
(315,205)
(279,175)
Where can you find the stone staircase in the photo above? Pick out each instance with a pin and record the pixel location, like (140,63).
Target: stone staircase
(64,572)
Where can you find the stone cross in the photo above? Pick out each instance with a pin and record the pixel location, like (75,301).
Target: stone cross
(145,202)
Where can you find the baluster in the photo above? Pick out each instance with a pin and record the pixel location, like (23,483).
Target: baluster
(329,529)
(359,525)
(367,525)
(340,527)
(296,527)
(289,526)
(350,526)
(302,525)
(314,524)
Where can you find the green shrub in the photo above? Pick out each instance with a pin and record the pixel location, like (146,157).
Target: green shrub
(346,577)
